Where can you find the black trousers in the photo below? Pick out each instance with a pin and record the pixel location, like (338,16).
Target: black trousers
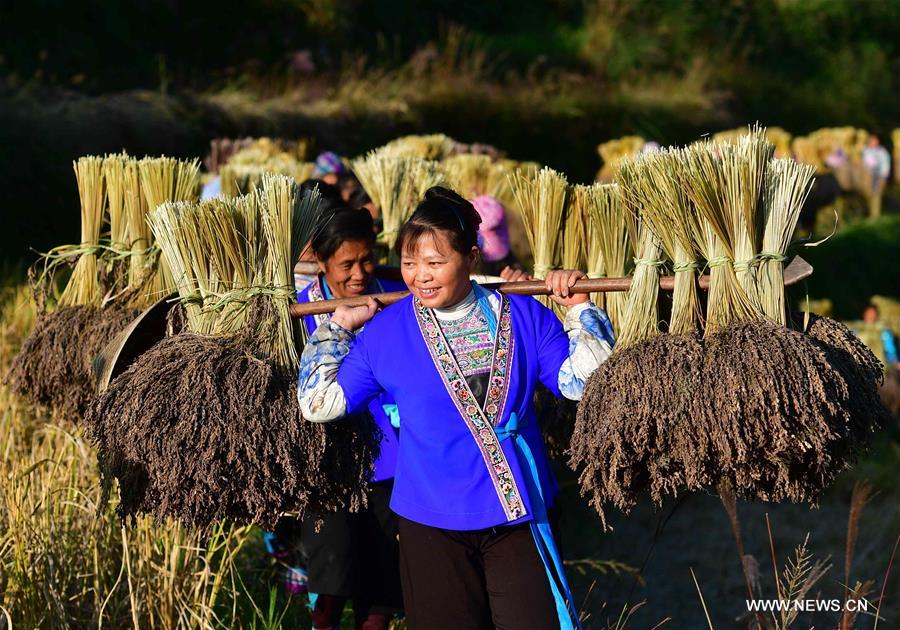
(356,555)
(490,578)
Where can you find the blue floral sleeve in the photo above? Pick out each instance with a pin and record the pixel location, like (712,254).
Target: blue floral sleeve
(321,397)
(590,343)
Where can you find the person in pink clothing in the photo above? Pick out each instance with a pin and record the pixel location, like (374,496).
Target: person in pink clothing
(493,240)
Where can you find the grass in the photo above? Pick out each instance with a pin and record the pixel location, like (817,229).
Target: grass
(859,261)
(65,560)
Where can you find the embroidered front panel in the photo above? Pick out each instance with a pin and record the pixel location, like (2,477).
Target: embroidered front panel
(480,421)
(470,341)
(315,295)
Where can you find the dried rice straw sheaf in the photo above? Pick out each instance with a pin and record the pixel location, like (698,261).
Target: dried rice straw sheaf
(166,179)
(650,183)
(541,200)
(787,185)
(241,178)
(708,180)
(53,368)
(468,174)
(206,425)
(770,412)
(396,183)
(641,318)
(84,285)
(434,146)
(609,242)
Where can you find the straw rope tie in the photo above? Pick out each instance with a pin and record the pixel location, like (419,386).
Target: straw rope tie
(775,256)
(744,265)
(685,266)
(718,261)
(649,262)
(237,296)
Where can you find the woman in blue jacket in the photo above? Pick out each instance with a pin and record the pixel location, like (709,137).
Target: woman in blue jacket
(472,484)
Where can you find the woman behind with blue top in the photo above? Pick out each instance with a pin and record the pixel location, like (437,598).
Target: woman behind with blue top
(472,484)
(353,555)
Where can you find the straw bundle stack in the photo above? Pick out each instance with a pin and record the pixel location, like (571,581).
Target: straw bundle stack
(770,412)
(613,152)
(206,425)
(541,200)
(776,136)
(435,146)
(116,273)
(396,183)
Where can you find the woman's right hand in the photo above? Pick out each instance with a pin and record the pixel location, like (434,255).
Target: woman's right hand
(353,317)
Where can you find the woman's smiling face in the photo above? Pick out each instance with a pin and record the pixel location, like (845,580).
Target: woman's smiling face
(436,273)
(349,269)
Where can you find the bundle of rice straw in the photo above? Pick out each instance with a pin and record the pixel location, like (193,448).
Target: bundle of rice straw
(142,267)
(573,254)
(713,185)
(641,318)
(84,286)
(585,197)
(468,174)
(167,179)
(612,152)
(787,185)
(766,411)
(241,178)
(776,136)
(115,275)
(804,150)
(608,242)
(541,201)
(649,182)
(53,367)
(206,425)
(396,183)
(435,146)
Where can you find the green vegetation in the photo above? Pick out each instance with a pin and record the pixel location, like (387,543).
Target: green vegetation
(544,81)
(861,260)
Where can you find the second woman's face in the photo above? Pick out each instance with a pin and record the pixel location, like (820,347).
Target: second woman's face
(436,273)
(349,269)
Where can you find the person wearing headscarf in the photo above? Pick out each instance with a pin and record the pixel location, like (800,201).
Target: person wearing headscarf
(328,167)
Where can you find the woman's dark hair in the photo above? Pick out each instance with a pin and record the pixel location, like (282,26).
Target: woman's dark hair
(442,209)
(359,198)
(329,195)
(336,226)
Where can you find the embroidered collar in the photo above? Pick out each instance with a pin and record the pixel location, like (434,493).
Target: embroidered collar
(318,289)
(458,310)
(480,420)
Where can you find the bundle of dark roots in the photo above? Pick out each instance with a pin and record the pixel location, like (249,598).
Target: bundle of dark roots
(201,429)
(772,412)
(54,368)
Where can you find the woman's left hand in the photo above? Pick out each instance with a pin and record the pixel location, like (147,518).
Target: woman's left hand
(560,281)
